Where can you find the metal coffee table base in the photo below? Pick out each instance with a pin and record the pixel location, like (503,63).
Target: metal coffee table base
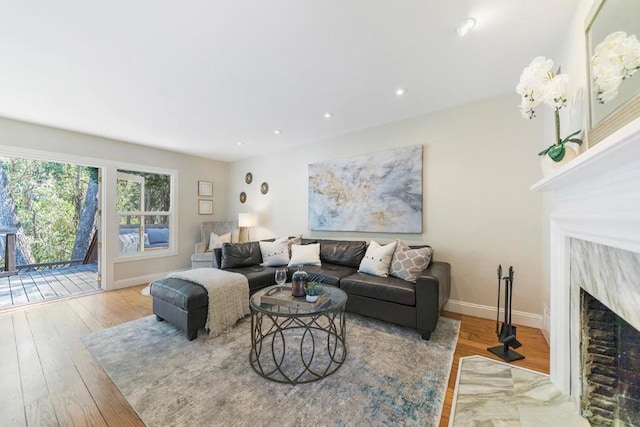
(299,348)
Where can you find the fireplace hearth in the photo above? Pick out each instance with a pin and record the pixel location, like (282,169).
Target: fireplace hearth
(610,359)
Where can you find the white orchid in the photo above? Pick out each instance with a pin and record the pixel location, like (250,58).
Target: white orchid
(615,59)
(539,84)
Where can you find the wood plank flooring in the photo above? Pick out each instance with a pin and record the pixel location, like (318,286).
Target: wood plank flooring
(49,378)
(36,286)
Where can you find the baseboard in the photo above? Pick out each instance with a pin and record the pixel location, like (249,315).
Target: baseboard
(139,280)
(546,323)
(487,312)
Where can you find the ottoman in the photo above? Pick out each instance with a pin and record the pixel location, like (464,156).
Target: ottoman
(182,303)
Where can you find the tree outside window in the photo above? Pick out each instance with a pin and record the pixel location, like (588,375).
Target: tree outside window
(144,211)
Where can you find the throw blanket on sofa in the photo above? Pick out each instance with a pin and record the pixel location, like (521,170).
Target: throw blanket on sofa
(228,296)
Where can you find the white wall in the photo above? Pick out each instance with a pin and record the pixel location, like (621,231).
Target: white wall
(19,137)
(479,161)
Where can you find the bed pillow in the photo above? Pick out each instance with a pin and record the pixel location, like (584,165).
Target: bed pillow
(377,259)
(408,263)
(305,255)
(274,253)
(216,241)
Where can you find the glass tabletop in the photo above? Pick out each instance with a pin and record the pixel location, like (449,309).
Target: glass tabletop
(337,299)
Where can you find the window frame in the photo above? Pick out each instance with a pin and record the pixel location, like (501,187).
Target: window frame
(171,214)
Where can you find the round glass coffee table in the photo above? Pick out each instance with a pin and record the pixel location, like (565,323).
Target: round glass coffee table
(300,342)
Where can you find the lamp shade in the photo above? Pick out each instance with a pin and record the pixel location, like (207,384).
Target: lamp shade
(247,220)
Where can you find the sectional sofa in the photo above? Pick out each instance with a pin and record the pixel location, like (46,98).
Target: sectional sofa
(416,305)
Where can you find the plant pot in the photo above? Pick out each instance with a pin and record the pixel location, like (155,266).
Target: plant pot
(312,298)
(549,166)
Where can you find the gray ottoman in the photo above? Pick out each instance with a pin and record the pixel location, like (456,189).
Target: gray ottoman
(182,303)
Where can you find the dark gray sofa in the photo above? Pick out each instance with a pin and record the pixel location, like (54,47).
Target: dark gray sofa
(386,298)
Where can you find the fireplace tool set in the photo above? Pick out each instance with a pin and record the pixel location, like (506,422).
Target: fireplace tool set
(507,332)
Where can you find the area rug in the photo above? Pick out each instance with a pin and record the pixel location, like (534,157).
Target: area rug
(492,393)
(390,377)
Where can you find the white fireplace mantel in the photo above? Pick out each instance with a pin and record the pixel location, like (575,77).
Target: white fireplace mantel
(596,197)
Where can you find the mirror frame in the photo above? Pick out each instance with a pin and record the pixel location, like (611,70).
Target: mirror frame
(625,113)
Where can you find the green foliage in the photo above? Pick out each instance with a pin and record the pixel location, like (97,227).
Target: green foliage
(157,197)
(48,197)
(556,151)
(313,288)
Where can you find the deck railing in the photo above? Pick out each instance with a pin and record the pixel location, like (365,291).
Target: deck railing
(9,252)
(50,265)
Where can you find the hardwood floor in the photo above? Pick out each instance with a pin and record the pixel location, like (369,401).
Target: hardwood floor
(50,378)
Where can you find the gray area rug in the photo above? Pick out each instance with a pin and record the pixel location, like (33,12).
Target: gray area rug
(390,377)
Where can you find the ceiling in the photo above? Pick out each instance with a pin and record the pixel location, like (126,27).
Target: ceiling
(199,77)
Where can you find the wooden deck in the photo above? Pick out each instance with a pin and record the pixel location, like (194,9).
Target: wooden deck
(36,286)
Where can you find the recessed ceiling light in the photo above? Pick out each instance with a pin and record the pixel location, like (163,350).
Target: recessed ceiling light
(328,115)
(465,26)
(239,144)
(277,131)
(400,91)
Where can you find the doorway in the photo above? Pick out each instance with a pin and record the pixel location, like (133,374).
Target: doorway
(49,218)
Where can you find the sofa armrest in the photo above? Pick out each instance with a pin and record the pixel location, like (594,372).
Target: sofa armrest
(216,261)
(201,247)
(433,288)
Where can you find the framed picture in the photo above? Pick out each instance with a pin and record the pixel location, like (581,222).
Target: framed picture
(205,188)
(205,207)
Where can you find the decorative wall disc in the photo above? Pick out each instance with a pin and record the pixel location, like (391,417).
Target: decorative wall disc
(248,178)
(264,188)
(243,197)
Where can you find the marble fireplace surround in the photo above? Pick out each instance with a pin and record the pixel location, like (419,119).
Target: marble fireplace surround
(596,198)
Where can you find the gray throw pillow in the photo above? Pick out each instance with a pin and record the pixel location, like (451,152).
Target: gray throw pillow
(408,263)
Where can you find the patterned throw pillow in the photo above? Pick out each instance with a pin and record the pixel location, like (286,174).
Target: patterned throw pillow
(274,253)
(377,259)
(408,263)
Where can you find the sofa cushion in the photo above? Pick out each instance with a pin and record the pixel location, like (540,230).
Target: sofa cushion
(180,293)
(158,235)
(342,252)
(408,263)
(328,274)
(258,276)
(274,253)
(305,255)
(381,288)
(377,259)
(235,255)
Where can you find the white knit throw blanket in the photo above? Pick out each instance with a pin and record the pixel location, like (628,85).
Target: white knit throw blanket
(228,296)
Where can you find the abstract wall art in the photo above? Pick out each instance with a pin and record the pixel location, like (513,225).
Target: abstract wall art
(378,192)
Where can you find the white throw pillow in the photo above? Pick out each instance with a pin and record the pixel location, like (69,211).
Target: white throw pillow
(274,253)
(377,259)
(216,241)
(290,241)
(305,255)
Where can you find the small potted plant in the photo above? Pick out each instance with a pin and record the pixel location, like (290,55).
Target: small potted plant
(313,290)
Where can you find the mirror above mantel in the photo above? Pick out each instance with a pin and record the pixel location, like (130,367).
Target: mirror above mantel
(612,102)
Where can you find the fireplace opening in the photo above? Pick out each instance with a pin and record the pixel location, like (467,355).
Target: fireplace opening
(610,356)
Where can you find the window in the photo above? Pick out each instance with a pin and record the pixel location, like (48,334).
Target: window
(144,211)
